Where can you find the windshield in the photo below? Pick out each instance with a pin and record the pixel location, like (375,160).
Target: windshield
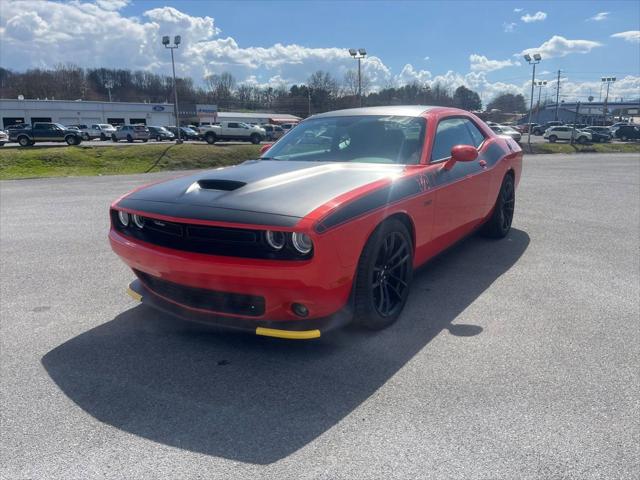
(365,139)
(62,127)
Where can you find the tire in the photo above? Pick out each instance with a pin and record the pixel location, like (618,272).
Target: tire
(145,140)
(211,138)
(70,140)
(85,137)
(499,223)
(129,139)
(582,140)
(24,141)
(553,138)
(623,138)
(103,137)
(379,294)
(114,138)
(255,138)
(1,144)
(158,138)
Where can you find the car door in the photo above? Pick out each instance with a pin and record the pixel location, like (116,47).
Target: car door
(462,195)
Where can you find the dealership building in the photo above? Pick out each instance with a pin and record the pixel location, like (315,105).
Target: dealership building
(69,112)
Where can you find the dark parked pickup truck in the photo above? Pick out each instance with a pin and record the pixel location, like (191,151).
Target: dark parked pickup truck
(44,132)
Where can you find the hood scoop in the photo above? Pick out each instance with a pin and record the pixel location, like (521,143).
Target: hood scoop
(218,184)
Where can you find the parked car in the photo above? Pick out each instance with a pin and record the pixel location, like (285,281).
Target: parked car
(288,126)
(86,132)
(554,134)
(4,138)
(44,132)
(273,132)
(627,132)
(130,133)
(599,134)
(186,133)
(232,131)
(504,130)
(540,129)
(103,131)
(524,128)
(294,238)
(160,133)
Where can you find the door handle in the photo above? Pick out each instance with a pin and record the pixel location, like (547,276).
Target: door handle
(482,163)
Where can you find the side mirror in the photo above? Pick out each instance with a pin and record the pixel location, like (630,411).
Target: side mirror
(265,147)
(461,153)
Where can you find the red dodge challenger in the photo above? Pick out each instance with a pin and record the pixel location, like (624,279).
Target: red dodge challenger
(325,228)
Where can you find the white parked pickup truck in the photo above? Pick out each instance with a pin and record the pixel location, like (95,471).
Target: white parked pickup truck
(232,131)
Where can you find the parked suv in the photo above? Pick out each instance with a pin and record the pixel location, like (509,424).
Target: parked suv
(273,132)
(130,133)
(160,133)
(540,129)
(627,132)
(554,134)
(103,131)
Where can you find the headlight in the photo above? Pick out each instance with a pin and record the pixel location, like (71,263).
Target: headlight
(124,218)
(302,242)
(138,220)
(276,240)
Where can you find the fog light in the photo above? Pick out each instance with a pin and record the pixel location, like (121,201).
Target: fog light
(124,218)
(138,220)
(300,310)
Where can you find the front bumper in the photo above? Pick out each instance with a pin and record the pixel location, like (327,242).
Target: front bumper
(292,330)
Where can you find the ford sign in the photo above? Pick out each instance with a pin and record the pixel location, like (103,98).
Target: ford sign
(158,108)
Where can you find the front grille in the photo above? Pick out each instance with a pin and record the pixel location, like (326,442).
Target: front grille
(220,302)
(232,242)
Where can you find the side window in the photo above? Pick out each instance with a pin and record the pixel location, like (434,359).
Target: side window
(452,132)
(232,125)
(476,134)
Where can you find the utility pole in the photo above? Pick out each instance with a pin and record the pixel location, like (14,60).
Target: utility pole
(575,121)
(532,61)
(359,55)
(540,84)
(166,42)
(557,97)
(608,81)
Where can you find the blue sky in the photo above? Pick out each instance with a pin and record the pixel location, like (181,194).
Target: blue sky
(478,44)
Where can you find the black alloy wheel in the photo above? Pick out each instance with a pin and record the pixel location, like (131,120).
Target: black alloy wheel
(500,221)
(384,276)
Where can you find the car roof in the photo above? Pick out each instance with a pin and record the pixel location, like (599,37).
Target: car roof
(400,110)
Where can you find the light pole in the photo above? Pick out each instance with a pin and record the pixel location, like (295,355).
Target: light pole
(109,85)
(359,55)
(166,42)
(536,60)
(540,84)
(608,81)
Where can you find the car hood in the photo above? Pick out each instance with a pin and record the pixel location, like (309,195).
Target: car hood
(263,192)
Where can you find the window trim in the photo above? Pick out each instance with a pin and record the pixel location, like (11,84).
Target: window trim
(464,117)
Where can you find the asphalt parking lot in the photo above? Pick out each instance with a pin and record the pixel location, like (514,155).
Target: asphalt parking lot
(514,359)
(109,143)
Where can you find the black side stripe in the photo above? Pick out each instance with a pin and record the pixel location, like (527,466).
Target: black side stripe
(408,187)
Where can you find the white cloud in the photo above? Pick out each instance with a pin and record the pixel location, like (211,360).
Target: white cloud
(558,46)
(599,17)
(112,4)
(517,10)
(509,26)
(480,63)
(426,58)
(410,75)
(536,17)
(632,36)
